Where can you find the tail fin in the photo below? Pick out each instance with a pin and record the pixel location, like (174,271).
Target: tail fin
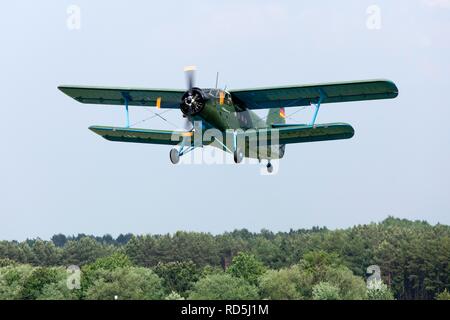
(276,115)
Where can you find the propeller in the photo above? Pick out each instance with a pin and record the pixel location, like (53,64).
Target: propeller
(190,80)
(187,125)
(193,100)
(190,76)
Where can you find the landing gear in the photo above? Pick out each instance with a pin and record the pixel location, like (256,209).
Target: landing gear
(269,167)
(174,156)
(238,155)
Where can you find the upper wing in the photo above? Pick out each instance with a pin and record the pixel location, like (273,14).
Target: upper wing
(142,135)
(163,98)
(293,96)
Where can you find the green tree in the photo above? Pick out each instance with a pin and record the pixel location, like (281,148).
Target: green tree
(209,270)
(9,250)
(59,240)
(174,296)
(123,239)
(377,290)
(281,284)
(58,289)
(35,283)
(228,245)
(325,291)
(223,287)
(84,251)
(141,250)
(18,252)
(131,283)
(149,250)
(12,280)
(444,295)
(247,267)
(351,287)
(109,263)
(318,263)
(199,248)
(45,253)
(326,267)
(266,248)
(6,262)
(178,276)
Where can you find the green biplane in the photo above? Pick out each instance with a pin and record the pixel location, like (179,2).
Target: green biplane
(231,112)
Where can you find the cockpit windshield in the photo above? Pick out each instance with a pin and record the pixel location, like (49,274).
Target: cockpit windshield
(213,93)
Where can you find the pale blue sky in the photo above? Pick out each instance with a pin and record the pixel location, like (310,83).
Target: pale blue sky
(57,176)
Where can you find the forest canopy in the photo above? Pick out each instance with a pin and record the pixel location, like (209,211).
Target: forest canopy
(412,256)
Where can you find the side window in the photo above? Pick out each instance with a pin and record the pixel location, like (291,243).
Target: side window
(228,100)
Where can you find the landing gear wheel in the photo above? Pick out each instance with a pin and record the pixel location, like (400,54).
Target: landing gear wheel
(174,156)
(269,168)
(238,156)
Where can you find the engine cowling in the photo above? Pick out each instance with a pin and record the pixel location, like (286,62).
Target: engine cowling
(192,102)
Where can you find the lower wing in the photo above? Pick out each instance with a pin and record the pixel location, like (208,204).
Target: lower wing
(288,134)
(165,137)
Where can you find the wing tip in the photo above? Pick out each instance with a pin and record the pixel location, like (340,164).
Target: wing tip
(392,86)
(63,89)
(95,129)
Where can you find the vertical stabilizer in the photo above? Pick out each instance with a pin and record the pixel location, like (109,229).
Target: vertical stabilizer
(276,115)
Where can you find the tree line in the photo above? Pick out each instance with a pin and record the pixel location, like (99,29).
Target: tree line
(316,263)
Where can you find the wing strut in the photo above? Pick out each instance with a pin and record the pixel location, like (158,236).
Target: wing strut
(322,98)
(127,99)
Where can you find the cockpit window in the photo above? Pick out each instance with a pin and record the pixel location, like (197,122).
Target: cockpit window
(213,93)
(228,99)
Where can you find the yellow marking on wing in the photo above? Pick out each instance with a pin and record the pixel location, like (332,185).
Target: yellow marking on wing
(158,103)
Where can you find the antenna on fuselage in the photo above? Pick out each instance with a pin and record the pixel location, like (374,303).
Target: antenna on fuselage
(217,79)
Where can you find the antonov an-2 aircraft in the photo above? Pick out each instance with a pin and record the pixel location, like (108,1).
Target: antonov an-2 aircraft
(231,113)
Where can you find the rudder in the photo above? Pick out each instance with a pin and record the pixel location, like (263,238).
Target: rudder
(277,116)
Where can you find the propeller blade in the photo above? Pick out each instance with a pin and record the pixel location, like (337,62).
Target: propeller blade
(188,124)
(190,76)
